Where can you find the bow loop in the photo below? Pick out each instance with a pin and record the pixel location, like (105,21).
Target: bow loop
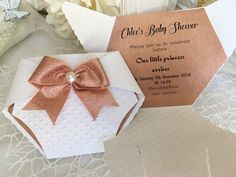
(91,75)
(49,72)
(55,80)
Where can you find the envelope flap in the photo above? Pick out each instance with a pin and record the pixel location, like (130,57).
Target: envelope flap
(222,15)
(94,29)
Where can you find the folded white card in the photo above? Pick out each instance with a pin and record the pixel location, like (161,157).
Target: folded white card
(172,55)
(75,132)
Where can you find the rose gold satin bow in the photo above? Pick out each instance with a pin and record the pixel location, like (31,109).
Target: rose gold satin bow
(55,79)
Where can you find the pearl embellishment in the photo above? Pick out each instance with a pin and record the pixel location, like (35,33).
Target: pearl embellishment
(71,77)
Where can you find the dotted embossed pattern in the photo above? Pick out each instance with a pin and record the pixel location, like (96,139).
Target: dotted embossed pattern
(75,131)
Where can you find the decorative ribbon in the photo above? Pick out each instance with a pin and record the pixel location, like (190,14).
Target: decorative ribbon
(55,80)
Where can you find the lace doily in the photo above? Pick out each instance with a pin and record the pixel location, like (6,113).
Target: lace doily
(217,101)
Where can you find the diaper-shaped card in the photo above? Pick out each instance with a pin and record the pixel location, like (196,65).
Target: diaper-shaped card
(172,55)
(68,105)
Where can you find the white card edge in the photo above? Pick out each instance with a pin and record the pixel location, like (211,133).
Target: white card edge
(23,131)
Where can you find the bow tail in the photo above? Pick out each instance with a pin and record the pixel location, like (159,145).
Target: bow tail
(94,101)
(52,105)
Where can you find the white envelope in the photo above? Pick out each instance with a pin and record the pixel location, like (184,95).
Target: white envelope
(75,133)
(173,141)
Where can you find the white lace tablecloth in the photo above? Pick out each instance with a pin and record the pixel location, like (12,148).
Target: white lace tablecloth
(18,157)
